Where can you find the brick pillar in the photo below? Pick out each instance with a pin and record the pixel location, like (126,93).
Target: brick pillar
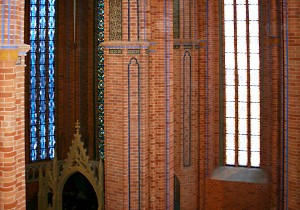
(186,101)
(138,105)
(293,117)
(12,121)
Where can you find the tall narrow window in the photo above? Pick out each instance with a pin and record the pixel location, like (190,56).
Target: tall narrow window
(42,69)
(242,91)
(100,70)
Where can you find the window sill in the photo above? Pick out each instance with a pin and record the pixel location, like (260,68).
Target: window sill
(239,174)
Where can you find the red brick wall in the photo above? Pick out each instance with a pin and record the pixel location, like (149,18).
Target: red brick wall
(292,99)
(76,97)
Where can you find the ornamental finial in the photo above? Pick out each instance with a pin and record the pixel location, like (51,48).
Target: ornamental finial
(77,126)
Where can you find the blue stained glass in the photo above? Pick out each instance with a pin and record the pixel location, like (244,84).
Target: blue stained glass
(42,46)
(51,94)
(51,58)
(51,153)
(33,155)
(42,130)
(33,131)
(32,35)
(51,50)
(51,10)
(42,22)
(42,10)
(42,69)
(32,58)
(51,82)
(42,34)
(51,23)
(42,96)
(33,22)
(51,133)
(51,118)
(43,154)
(42,82)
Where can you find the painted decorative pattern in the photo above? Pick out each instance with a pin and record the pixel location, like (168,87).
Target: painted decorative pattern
(115,20)
(42,69)
(100,69)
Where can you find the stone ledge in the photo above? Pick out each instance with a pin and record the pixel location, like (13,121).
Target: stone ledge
(239,174)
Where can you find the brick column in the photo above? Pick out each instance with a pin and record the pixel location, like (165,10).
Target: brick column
(186,101)
(12,121)
(138,105)
(292,65)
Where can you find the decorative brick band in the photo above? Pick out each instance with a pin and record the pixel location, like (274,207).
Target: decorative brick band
(133,51)
(115,51)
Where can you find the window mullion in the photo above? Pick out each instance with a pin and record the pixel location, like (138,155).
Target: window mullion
(47,78)
(248,89)
(236,86)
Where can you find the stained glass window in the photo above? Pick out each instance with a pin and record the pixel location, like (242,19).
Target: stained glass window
(100,70)
(242,90)
(42,70)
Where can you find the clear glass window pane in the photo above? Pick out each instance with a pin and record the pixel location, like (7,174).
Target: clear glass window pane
(240,1)
(243,142)
(243,126)
(243,158)
(253,28)
(242,45)
(255,159)
(241,12)
(230,125)
(242,60)
(253,12)
(254,94)
(230,77)
(241,29)
(255,110)
(252,1)
(243,111)
(229,44)
(230,141)
(229,60)
(242,94)
(230,109)
(230,93)
(229,28)
(228,1)
(254,44)
(228,12)
(254,61)
(242,77)
(230,156)
(254,77)
(255,127)
(255,143)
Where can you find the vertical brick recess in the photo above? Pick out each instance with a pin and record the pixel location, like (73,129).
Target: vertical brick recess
(12,119)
